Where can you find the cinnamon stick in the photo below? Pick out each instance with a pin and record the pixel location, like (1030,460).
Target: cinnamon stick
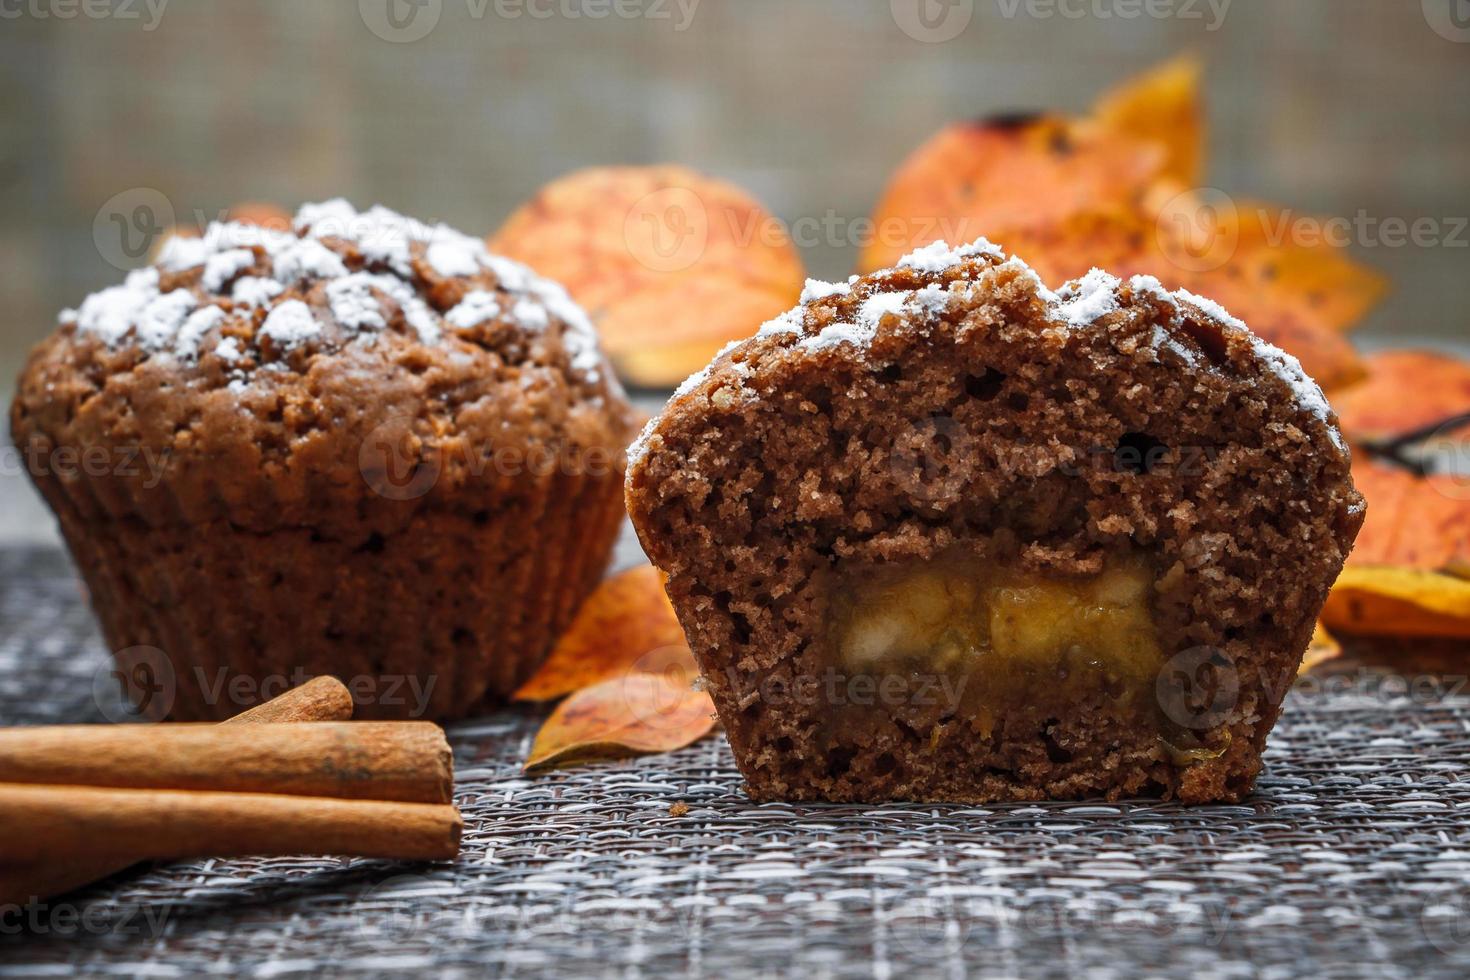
(319,699)
(406,762)
(68,822)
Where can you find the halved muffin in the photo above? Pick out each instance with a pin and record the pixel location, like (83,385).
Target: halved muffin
(940,533)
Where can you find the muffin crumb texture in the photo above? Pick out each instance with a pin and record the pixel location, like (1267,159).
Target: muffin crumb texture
(943,533)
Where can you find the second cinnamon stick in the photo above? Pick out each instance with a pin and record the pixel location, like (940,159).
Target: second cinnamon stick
(67,822)
(319,699)
(406,762)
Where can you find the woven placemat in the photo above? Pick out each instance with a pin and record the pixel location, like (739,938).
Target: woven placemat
(1352,859)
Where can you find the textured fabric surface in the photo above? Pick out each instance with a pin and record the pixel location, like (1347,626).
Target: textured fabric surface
(1351,859)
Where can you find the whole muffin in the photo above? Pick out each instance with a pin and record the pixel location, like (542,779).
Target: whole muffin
(941,533)
(365,447)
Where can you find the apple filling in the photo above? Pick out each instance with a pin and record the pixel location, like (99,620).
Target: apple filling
(1004,630)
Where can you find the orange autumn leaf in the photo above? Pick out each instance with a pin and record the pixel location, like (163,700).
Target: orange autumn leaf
(1126,240)
(636,713)
(1412,521)
(1417,525)
(1007,175)
(1377,600)
(671,264)
(1405,391)
(1117,190)
(1326,355)
(1002,177)
(1283,256)
(1323,648)
(1259,258)
(1386,491)
(1162,105)
(626,620)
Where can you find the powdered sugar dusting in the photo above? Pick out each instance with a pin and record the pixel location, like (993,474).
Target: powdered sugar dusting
(182,252)
(1088,299)
(256,290)
(328,240)
(1024,271)
(308,259)
(875,308)
(111,313)
(473,310)
(199,323)
(1285,366)
(932,299)
(639,447)
(291,324)
(452,258)
(816,289)
(861,333)
(221,267)
(530,314)
(1209,307)
(939,256)
(336,213)
(1306,392)
(354,303)
(839,333)
(1161,339)
(423,321)
(510,274)
(160,319)
(228,350)
(1078,304)
(1150,286)
(793,321)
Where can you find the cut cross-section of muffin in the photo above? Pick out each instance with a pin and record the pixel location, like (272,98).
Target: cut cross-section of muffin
(941,533)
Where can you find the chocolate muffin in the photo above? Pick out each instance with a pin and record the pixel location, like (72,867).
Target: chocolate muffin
(940,533)
(365,447)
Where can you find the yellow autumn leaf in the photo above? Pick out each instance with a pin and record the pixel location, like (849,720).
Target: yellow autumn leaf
(627,618)
(634,714)
(1381,600)
(1323,648)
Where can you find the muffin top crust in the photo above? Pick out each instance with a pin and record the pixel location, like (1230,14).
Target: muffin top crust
(258,299)
(845,320)
(269,368)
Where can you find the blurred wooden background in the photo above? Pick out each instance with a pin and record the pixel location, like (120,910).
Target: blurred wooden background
(1329,106)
